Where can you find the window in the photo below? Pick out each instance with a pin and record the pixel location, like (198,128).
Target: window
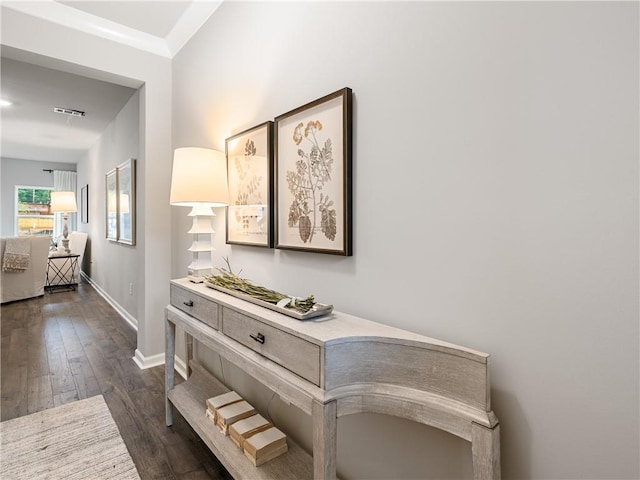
(33,211)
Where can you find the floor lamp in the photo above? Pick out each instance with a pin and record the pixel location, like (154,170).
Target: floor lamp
(64,202)
(199,181)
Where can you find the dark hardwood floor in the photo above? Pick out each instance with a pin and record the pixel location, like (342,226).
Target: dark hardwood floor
(66,346)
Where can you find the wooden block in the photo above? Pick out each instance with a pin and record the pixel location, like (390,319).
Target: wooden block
(269,456)
(265,446)
(211,416)
(243,429)
(230,414)
(219,401)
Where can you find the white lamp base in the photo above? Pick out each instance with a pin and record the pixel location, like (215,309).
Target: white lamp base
(197,274)
(65,233)
(202,245)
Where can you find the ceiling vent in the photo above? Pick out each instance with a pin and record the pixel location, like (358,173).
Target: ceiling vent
(68,111)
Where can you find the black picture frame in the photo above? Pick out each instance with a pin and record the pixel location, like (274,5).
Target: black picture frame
(313,176)
(249,219)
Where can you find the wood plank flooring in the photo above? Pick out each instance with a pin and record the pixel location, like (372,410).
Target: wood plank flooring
(67,346)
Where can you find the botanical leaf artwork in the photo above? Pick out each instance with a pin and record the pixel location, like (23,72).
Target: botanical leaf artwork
(248,184)
(311,207)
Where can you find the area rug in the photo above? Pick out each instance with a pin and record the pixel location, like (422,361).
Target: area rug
(78,440)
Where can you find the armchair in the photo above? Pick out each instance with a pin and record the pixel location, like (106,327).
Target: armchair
(30,282)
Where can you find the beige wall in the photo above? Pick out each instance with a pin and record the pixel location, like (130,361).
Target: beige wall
(495,206)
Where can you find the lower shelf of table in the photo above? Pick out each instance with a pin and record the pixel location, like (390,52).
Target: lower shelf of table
(61,286)
(189,399)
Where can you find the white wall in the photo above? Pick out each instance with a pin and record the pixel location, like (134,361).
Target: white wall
(119,142)
(77,52)
(28,173)
(495,206)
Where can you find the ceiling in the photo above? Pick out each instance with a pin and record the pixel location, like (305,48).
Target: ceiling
(30,129)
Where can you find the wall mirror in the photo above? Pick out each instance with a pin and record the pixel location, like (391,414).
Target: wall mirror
(121,203)
(127,202)
(111,202)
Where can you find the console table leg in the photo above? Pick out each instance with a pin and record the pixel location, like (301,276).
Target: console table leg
(325,420)
(485,448)
(188,354)
(169,368)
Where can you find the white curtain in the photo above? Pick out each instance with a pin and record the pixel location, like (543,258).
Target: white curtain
(64,181)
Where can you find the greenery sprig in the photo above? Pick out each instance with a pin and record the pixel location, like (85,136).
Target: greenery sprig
(231,281)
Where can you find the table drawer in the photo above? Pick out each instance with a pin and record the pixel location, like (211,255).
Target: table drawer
(204,310)
(291,352)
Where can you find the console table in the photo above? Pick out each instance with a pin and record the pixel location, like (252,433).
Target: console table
(328,367)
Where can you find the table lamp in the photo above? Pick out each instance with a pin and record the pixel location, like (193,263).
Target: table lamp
(64,202)
(199,180)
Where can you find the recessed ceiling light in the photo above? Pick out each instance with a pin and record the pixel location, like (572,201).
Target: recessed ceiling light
(5,103)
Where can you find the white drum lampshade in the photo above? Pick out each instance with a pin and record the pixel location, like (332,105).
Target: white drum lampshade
(199,177)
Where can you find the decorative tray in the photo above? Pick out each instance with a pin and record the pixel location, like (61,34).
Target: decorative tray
(317,310)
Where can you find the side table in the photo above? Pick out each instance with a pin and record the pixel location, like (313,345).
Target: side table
(61,272)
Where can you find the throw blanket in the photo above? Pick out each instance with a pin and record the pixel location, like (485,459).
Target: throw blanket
(16,254)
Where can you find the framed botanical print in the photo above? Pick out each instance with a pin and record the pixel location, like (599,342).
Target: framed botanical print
(250,179)
(313,199)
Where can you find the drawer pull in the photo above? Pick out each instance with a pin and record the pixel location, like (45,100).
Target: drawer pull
(189,303)
(258,338)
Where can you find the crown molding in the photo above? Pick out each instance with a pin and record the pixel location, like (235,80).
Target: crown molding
(64,15)
(190,22)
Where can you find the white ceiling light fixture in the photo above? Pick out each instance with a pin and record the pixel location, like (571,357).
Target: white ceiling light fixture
(5,103)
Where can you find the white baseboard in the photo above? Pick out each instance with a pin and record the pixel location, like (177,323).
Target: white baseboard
(130,319)
(181,367)
(139,359)
(148,362)
(156,360)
